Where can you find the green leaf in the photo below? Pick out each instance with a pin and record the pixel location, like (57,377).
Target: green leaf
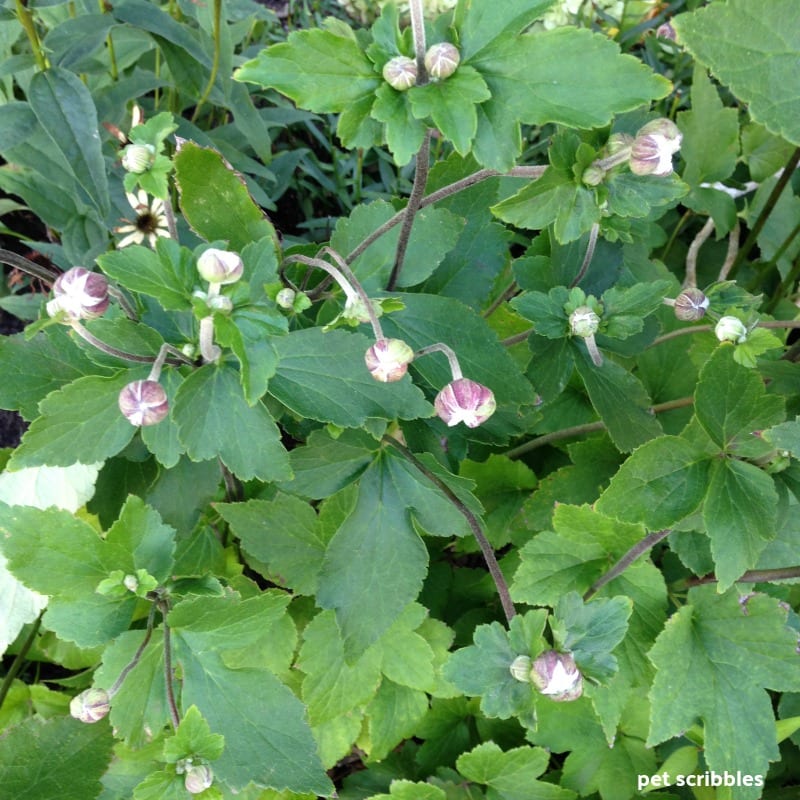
(731,402)
(214,419)
(513,774)
(162,439)
(545,311)
(637,196)
(409,790)
(708,158)
(193,738)
(752,50)
(393,715)
(785,436)
(624,310)
(591,631)
(168,274)
(621,401)
(215,200)
(322,376)
(283,533)
(660,484)
(65,109)
(318,69)
(712,660)
(56,759)
(739,513)
(403,132)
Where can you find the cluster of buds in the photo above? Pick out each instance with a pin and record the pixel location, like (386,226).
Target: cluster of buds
(79,294)
(554,675)
(441,61)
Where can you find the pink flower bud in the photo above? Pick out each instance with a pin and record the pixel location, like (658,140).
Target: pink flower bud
(80,294)
(690,305)
(652,149)
(463,400)
(220,266)
(198,778)
(388,359)
(90,706)
(556,675)
(143,403)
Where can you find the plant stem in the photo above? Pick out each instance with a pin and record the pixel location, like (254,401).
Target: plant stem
(26,265)
(415,8)
(214,64)
(169,213)
(137,655)
(26,20)
(733,250)
(174,715)
(777,324)
(690,280)
(417,191)
(441,347)
(19,659)
(752,576)
(179,359)
(587,259)
(472,521)
(776,192)
(638,549)
(506,294)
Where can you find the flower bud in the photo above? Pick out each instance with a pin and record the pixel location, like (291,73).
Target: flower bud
(138,158)
(463,400)
(80,294)
(593,175)
(618,142)
(90,706)
(143,403)
(731,329)
(356,310)
(285,298)
(583,322)
(400,73)
(220,266)
(666,31)
(219,302)
(388,359)
(556,675)
(520,669)
(441,60)
(690,305)
(652,149)
(198,778)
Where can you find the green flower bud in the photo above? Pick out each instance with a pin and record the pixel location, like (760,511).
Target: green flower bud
(593,176)
(583,322)
(285,298)
(400,73)
(520,668)
(138,158)
(731,329)
(90,706)
(388,359)
(441,60)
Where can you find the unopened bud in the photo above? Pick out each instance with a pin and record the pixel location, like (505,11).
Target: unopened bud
(198,778)
(400,73)
(79,294)
(466,401)
(618,142)
(219,302)
(731,329)
(556,675)
(285,298)
(144,403)
(220,266)
(90,706)
(652,149)
(666,31)
(520,668)
(593,175)
(583,322)
(138,158)
(690,305)
(355,310)
(441,60)
(388,359)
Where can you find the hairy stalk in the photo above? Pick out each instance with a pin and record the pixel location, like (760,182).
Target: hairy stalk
(169,213)
(19,659)
(766,323)
(690,280)
(506,294)
(472,521)
(750,241)
(638,549)
(587,259)
(417,191)
(137,655)
(112,56)
(124,303)
(733,250)
(174,714)
(415,8)
(452,359)
(26,20)
(27,266)
(588,427)
(179,359)
(752,576)
(214,64)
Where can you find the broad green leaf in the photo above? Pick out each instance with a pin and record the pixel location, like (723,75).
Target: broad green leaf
(215,200)
(68,488)
(637,196)
(283,533)
(193,738)
(393,715)
(322,376)
(752,50)
(18,605)
(162,440)
(739,513)
(403,132)
(320,70)
(661,483)
(708,158)
(56,759)
(513,774)
(624,310)
(168,274)
(545,311)
(731,402)
(409,790)
(621,401)
(785,436)
(80,423)
(65,109)
(407,656)
(714,659)
(214,420)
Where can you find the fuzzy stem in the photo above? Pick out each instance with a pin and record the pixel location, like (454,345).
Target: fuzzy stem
(472,521)
(776,324)
(174,714)
(215,63)
(614,572)
(690,279)
(622,156)
(414,200)
(753,576)
(169,213)
(19,659)
(26,20)
(124,303)
(441,347)
(730,256)
(587,259)
(416,9)
(137,655)
(26,265)
(124,355)
(208,350)
(594,352)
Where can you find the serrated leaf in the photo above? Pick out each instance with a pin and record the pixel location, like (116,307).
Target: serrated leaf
(214,420)
(661,483)
(636,196)
(322,376)
(714,659)
(752,50)
(404,133)
(785,436)
(545,311)
(193,738)
(215,200)
(409,790)
(56,759)
(393,715)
